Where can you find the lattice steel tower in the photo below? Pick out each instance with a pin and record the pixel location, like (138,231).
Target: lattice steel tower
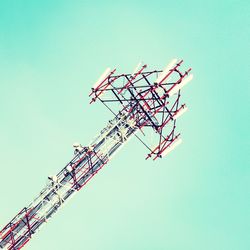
(142,102)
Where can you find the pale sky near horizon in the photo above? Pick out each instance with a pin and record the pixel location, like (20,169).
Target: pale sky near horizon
(197,198)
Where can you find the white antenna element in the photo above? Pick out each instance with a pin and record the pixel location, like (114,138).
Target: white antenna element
(180,85)
(54,178)
(180,112)
(69,168)
(172,146)
(102,77)
(76,144)
(78,147)
(166,71)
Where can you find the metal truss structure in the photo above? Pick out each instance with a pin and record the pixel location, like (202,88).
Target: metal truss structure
(141,101)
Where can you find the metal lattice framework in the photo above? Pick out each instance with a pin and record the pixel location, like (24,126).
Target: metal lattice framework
(141,101)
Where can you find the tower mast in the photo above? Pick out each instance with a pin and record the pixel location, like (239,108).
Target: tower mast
(141,101)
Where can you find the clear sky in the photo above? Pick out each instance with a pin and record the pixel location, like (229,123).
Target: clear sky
(51,52)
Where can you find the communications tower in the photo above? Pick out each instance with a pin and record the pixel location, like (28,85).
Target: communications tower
(141,102)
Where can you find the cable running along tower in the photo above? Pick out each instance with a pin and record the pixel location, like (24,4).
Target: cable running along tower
(142,102)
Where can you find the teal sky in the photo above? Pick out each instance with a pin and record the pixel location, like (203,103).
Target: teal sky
(197,198)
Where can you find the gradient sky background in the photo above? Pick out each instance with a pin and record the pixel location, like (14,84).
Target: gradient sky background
(197,198)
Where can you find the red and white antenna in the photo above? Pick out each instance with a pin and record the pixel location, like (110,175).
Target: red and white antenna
(142,101)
